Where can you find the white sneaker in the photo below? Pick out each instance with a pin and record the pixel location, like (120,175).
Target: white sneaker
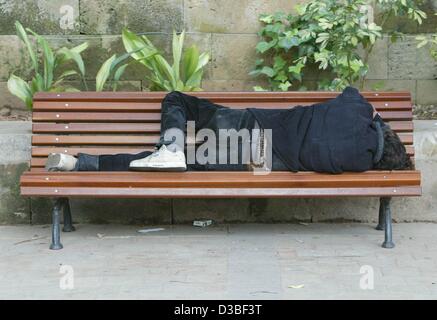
(60,162)
(161,160)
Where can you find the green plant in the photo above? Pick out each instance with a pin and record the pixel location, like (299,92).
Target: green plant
(185,74)
(45,65)
(327,34)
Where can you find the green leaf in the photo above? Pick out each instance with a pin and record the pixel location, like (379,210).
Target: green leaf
(322,37)
(64,75)
(189,62)
(80,48)
(266,18)
(178,43)
(296,68)
(259,88)
(288,42)
(119,72)
(284,86)
(20,89)
(48,60)
(268,71)
(23,36)
(141,47)
(264,46)
(117,75)
(104,72)
(74,56)
(279,62)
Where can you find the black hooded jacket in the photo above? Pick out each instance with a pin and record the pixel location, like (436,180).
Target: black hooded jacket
(334,136)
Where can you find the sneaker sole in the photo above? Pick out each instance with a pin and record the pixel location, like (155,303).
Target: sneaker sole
(159,168)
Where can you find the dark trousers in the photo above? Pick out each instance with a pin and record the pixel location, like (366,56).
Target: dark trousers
(177,109)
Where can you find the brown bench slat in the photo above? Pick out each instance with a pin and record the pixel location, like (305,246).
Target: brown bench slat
(53,140)
(36,162)
(216,96)
(221,192)
(153,117)
(156,106)
(45,151)
(406,138)
(96,127)
(94,140)
(43,127)
(221,179)
(96,116)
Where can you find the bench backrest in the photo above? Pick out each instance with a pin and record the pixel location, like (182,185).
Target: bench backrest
(129,122)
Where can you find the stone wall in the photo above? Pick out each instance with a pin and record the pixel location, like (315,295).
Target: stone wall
(225,28)
(15,156)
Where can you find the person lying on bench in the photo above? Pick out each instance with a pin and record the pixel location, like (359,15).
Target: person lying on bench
(342,134)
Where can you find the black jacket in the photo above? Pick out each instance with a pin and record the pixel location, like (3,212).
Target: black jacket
(334,136)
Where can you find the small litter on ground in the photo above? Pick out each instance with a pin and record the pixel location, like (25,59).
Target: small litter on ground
(150,230)
(202,223)
(296,286)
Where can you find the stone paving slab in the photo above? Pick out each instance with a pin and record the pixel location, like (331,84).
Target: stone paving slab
(225,261)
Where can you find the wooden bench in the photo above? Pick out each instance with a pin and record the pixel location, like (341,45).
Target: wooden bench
(106,123)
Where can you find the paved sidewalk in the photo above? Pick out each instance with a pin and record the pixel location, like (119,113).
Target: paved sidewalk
(241,261)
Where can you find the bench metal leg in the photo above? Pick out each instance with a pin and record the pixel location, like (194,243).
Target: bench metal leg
(56,217)
(381,221)
(68,222)
(388,242)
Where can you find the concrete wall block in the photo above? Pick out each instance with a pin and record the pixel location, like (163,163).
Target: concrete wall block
(427,92)
(111,16)
(123,85)
(15,142)
(9,100)
(220,210)
(231,85)
(378,60)
(14,58)
(344,209)
(14,209)
(408,62)
(100,211)
(425,140)
(408,26)
(233,56)
(422,208)
(392,85)
(276,210)
(43,17)
(227,16)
